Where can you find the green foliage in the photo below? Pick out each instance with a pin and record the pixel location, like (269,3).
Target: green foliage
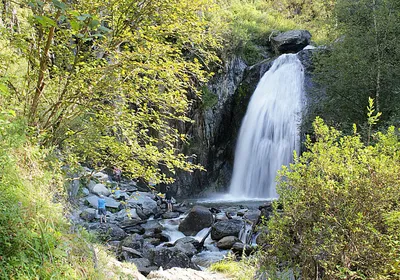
(363,61)
(36,240)
(248,24)
(340,203)
(209,99)
(106,90)
(244,269)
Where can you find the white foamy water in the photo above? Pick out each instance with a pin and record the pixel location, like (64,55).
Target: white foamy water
(171,229)
(269,131)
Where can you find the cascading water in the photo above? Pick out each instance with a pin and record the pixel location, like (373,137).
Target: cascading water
(269,132)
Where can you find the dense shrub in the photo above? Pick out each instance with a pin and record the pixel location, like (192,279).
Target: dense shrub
(341,209)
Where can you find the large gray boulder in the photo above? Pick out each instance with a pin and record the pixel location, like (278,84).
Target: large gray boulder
(187,245)
(88,214)
(127,214)
(101,189)
(145,201)
(226,228)
(227,242)
(198,218)
(153,226)
(171,257)
(134,241)
(103,177)
(252,215)
(111,232)
(110,202)
(291,41)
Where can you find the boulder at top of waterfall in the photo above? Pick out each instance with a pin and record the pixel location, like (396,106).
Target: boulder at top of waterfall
(227,242)
(226,228)
(198,218)
(291,41)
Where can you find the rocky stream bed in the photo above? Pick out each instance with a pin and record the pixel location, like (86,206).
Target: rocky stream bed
(140,230)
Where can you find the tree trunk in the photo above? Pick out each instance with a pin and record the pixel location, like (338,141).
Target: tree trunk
(42,69)
(378,57)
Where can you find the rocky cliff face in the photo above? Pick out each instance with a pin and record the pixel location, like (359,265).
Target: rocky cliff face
(218,118)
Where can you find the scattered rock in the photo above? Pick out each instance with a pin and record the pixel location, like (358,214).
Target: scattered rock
(127,214)
(101,189)
(85,191)
(129,253)
(227,242)
(171,257)
(142,265)
(190,240)
(134,241)
(110,202)
(198,218)
(242,212)
(239,248)
(145,201)
(252,216)
(170,215)
(88,214)
(184,274)
(186,246)
(101,176)
(226,228)
(111,232)
(153,226)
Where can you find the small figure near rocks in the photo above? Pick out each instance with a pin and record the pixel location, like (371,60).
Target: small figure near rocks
(101,206)
(168,198)
(117,174)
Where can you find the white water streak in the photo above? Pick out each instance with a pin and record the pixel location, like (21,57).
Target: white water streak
(269,132)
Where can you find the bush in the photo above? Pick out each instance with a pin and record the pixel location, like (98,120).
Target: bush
(341,210)
(36,240)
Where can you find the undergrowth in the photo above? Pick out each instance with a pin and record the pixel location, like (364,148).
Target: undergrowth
(36,240)
(244,269)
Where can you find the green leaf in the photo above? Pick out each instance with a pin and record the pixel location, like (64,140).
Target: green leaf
(45,21)
(83,17)
(94,23)
(59,5)
(104,29)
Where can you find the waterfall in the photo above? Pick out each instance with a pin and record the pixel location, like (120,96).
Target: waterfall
(269,132)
